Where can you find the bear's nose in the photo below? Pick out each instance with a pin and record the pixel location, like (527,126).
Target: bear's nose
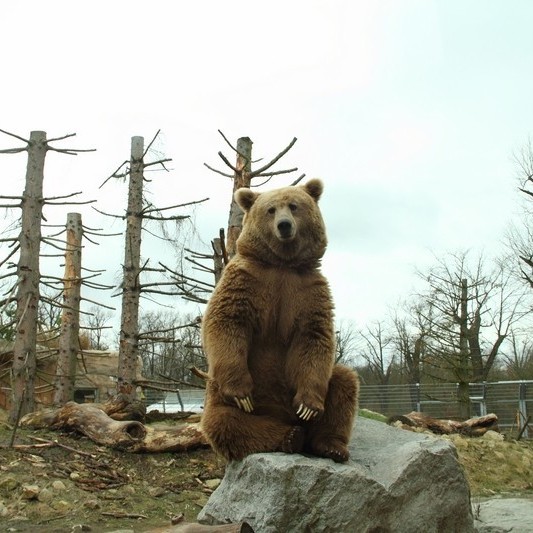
(285,228)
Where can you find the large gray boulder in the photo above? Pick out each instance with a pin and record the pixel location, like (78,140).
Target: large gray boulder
(395,481)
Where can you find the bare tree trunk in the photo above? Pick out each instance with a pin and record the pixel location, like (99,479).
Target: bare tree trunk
(129,326)
(70,319)
(241,179)
(463,392)
(218,259)
(24,350)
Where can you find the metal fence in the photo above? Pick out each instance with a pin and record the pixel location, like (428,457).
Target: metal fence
(511,401)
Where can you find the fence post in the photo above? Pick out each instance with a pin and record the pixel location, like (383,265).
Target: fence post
(522,408)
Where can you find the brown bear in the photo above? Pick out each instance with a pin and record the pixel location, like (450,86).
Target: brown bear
(269,337)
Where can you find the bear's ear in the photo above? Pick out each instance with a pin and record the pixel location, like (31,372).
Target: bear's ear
(314,188)
(245,198)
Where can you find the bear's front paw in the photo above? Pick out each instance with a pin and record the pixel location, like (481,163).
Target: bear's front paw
(307,408)
(239,394)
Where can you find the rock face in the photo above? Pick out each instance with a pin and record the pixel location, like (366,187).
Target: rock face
(395,481)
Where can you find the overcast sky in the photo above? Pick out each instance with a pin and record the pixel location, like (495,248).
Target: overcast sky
(410,111)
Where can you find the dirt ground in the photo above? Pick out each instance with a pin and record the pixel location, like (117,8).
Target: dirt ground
(71,484)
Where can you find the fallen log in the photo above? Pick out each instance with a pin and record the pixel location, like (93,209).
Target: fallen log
(94,422)
(186,527)
(473,426)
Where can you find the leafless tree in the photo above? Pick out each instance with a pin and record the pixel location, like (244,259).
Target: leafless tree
(95,324)
(472,312)
(346,343)
(377,351)
(25,291)
(139,214)
(518,359)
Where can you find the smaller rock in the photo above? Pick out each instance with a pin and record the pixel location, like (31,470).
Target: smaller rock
(92,503)
(156,492)
(4,511)
(212,483)
(8,483)
(45,495)
(58,485)
(30,492)
(61,506)
(493,435)
(74,476)
(128,489)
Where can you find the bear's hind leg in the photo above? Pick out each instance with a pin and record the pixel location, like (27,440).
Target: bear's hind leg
(329,436)
(236,434)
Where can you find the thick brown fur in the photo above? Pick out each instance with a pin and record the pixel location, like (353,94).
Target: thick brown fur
(269,337)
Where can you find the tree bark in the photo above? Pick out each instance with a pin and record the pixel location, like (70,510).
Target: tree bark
(24,349)
(129,326)
(241,179)
(70,320)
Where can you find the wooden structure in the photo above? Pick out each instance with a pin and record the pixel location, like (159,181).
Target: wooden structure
(96,376)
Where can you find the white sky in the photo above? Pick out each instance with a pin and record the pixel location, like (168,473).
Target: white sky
(410,111)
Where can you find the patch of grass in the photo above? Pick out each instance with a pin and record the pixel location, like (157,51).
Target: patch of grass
(366,413)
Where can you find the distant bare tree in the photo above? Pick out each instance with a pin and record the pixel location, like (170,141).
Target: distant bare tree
(377,351)
(472,313)
(95,324)
(519,360)
(346,343)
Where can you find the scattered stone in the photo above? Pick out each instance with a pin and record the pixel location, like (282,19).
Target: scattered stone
(61,506)
(30,492)
(156,492)
(128,489)
(45,495)
(92,503)
(493,435)
(212,483)
(8,484)
(4,511)
(58,485)
(74,476)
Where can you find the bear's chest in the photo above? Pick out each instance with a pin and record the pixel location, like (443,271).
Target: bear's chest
(282,305)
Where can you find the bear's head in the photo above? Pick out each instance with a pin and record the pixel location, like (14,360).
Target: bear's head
(283,227)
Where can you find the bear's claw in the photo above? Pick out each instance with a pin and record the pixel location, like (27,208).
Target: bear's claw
(306,413)
(244,404)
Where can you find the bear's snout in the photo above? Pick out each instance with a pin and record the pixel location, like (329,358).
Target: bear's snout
(285,228)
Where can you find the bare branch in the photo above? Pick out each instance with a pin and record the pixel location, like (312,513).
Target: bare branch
(157,209)
(16,136)
(114,175)
(218,171)
(273,161)
(297,180)
(225,159)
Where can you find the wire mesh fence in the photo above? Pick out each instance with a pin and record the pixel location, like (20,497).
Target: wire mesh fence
(511,401)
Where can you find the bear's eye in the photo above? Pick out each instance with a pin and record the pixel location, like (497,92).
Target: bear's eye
(271,210)
(293,207)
